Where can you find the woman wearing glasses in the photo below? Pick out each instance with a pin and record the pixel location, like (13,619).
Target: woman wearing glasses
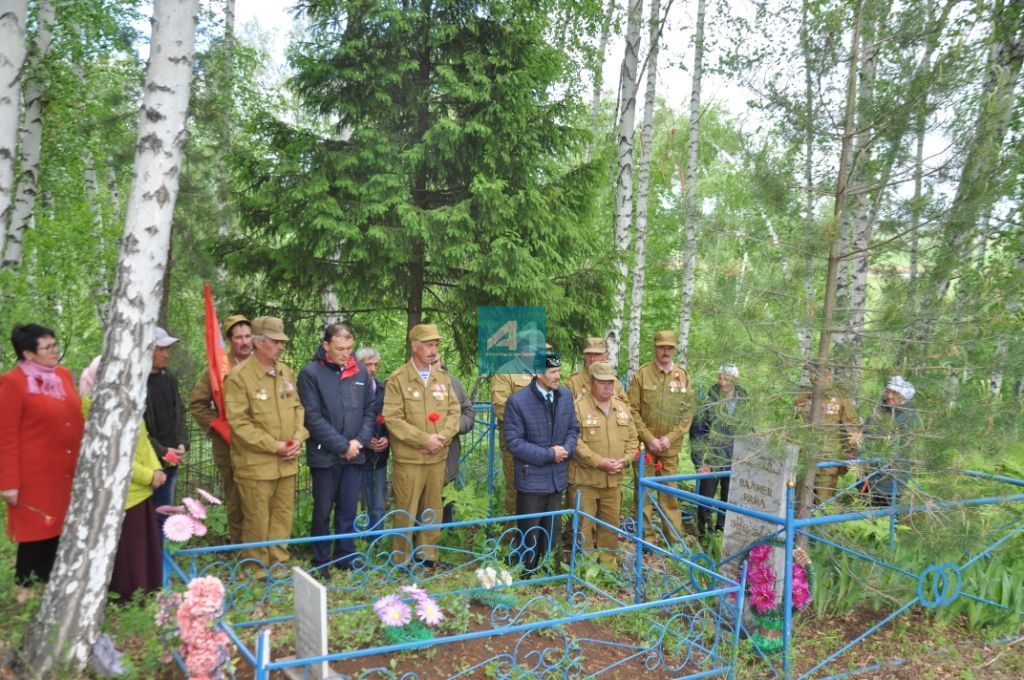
(41,428)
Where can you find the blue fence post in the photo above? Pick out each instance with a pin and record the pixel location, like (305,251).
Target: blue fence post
(787,587)
(738,621)
(573,547)
(263,655)
(638,558)
(491,431)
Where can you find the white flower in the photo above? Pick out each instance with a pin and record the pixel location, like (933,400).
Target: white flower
(487,577)
(506,578)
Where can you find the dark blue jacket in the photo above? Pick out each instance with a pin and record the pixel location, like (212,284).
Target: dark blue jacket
(377,459)
(531,431)
(336,411)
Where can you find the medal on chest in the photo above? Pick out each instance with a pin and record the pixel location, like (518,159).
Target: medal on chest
(677,384)
(413,392)
(261,394)
(440,391)
(621,417)
(590,421)
(831,407)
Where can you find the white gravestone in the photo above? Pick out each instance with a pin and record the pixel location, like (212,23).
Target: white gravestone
(310,626)
(758,482)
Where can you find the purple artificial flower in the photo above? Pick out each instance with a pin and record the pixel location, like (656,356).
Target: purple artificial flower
(395,614)
(760,553)
(429,613)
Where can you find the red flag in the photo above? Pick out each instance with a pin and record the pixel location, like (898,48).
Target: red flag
(217,360)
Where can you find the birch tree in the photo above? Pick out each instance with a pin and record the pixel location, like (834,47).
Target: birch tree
(624,178)
(643,188)
(12,59)
(69,617)
(690,207)
(30,138)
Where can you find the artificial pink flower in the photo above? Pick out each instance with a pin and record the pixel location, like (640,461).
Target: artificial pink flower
(762,574)
(195,508)
(208,497)
(172,457)
(198,528)
(801,596)
(760,553)
(416,592)
(762,598)
(395,615)
(205,595)
(170,509)
(385,602)
(178,528)
(429,613)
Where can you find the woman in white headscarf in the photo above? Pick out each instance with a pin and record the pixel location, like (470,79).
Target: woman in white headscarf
(888,440)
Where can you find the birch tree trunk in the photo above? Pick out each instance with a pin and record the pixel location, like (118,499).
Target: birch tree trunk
(643,189)
(690,190)
(12,60)
(602,48)
(803,329)
(30,139)
(806,496)
(1012,309)
(69,617)
(624,183)
(228,86)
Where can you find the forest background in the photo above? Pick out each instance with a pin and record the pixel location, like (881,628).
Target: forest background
(861,209)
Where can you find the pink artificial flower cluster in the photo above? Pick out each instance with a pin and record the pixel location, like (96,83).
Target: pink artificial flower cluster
(203,644)
(761,581)
(394,612)
(185,520)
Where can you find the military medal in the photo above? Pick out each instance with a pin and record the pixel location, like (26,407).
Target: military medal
(591,420)
(262,394)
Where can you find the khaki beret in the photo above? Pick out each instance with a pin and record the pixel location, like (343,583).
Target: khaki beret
(231,321)
(423,332)
(602,370)
(269,327)
(665,339)
(595,346)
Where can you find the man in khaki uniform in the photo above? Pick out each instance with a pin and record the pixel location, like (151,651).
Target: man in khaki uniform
(503,385)
(839,434)
(594,350)
(662,403)
(422,415)
(267,432)
(607,444)
(238,332)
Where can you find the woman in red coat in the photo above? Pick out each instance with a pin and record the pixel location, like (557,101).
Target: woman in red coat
(41,428)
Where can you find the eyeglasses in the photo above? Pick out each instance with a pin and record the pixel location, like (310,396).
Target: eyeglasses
(55,347)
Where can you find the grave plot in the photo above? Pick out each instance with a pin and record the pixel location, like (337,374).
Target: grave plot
(479,612)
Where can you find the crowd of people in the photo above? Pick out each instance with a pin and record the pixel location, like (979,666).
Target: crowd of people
(393,445)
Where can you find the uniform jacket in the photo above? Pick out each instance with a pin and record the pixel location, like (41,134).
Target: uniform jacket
(714,430)
(338,404)
(579,384)
(602,436)
(531,430)
(408,405)
(662,404)
(262,409)
(39,441)
(839,422)
(200,405)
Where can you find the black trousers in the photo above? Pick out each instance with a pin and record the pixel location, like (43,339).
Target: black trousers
(707,488)
(34,560)
(539,534)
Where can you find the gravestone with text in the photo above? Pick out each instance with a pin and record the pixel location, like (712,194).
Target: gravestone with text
(310,626)
(758,481)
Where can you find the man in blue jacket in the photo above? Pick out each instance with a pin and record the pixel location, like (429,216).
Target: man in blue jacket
(541,430)
(336,394)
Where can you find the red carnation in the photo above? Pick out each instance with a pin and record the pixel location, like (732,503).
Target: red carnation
(433,416)
(659,466)
(649,459)
(379,420)
(290,443)
(172,458)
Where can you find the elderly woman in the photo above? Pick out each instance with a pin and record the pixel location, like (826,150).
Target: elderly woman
(137,564)
(887,443)
(41,429)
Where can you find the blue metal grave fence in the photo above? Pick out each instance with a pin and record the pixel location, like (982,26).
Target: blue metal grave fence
(687,609)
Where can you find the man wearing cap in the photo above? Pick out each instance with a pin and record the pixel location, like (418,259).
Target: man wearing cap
(267,432)
(504,383)
(662,404)
(712,435)
(338,401)
(838,433)
(165,417)
(888,440)
(594,350)
(422,415)
(541,430)
(238,332)
(607,444)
